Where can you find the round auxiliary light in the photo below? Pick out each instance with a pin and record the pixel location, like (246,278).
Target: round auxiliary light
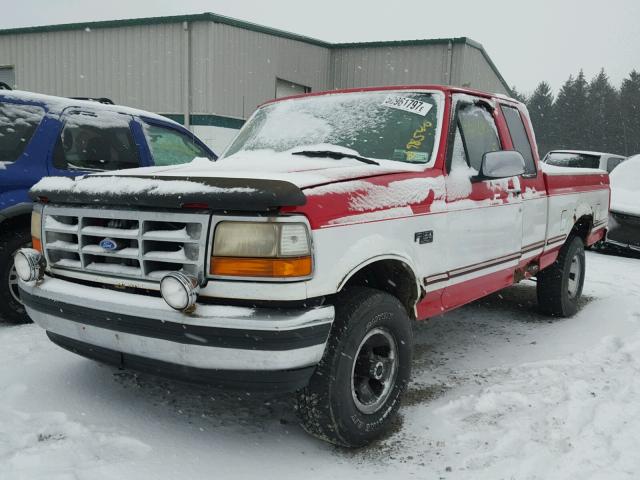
(179,290)
(29,264)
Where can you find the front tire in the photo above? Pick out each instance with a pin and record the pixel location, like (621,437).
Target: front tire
(11,308)
(355,392)
(559,286)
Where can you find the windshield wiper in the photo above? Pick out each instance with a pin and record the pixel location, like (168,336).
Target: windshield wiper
(335,155)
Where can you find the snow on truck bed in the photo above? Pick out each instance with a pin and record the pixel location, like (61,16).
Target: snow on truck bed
(499,392)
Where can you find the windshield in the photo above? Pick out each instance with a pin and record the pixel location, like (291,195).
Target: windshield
(577,160)
(398,126)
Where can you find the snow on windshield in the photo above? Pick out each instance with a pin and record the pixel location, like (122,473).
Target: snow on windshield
(399,126)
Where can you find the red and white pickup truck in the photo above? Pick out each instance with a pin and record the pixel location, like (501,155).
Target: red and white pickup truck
(300,259)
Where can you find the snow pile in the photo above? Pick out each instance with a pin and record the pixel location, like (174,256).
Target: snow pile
(625,187)
(102,185)
(48,445)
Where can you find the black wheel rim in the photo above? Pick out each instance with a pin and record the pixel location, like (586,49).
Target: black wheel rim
(374,371)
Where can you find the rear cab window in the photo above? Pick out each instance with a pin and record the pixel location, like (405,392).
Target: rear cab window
(613,162)
(18,123)
(169,146)
(519,137)
(95,141)
(576,160)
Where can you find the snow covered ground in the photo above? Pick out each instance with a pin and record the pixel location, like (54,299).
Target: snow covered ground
(499,392)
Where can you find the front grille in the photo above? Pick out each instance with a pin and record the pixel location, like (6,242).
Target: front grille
(146,245)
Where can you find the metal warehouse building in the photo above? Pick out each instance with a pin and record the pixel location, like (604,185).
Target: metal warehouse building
(210,72)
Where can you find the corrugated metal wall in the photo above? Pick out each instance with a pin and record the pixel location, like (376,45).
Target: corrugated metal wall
(234,70)
(138,66)
(231,70)
(477,72)
(366,66)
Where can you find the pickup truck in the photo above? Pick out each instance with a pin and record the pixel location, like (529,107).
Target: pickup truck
(43,135)
(301,258)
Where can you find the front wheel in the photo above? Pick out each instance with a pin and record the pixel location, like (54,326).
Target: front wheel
(11,307)
(355,392)
(560,285)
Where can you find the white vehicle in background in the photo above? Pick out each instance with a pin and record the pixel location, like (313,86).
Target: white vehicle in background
(624,215)
(583,159)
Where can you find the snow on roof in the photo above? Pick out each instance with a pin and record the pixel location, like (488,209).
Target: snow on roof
(583,152)
(58,104)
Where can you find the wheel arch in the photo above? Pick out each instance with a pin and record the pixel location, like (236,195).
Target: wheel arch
(393,274)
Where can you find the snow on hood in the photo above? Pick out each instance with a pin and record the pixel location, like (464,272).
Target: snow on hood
(270,165)
(625,187)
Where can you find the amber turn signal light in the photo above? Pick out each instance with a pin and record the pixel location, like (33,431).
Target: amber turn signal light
(261,267)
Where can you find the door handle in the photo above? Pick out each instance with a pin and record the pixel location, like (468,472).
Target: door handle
(515,191)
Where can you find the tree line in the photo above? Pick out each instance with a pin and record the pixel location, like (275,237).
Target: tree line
(587,115)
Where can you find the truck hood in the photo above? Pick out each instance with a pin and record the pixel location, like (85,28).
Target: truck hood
(235,183)
(301,171)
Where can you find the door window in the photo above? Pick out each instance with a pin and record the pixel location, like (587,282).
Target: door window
(478,131)
(17,125)
(95,141)
(170,147)
(519,138)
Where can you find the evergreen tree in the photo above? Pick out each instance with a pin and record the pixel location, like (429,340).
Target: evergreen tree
(570,114)
(630,114)
(515,94)
(540,105)
(603,116)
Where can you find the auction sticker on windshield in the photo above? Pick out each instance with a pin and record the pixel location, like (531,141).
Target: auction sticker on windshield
(407,104)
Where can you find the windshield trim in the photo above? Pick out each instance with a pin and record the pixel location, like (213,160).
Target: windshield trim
(438,96)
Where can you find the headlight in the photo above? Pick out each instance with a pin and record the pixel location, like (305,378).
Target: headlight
(29,264)
(36,230)
(179,290)
(261,249)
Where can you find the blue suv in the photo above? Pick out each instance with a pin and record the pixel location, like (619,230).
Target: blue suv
(42,135)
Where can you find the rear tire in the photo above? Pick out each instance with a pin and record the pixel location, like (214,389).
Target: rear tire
(355,392)
(11,308)
(559,286)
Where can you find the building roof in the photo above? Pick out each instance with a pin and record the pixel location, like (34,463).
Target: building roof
(254,27)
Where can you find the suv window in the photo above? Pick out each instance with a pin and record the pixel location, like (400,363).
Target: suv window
(95,141)
(170,147)
(519,137)
(17,125)
(479,133)
(613,162)
(577,160)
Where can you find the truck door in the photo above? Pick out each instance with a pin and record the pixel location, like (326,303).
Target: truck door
(534,198)
(484,217)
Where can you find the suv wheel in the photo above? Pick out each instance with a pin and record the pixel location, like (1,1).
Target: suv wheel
(355,392)
(11,308)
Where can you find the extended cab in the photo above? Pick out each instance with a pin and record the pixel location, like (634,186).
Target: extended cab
(41,135)
(299,260)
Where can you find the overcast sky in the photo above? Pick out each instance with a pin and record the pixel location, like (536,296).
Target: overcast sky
(529,41)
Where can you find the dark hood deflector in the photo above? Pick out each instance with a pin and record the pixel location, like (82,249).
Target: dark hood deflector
(265,195)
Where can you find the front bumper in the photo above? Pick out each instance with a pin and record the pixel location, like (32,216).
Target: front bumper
(256,348)
(624,230)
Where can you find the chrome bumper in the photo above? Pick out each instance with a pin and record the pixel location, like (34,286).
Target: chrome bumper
(214,337)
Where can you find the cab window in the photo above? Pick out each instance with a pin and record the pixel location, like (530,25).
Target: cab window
(478,133)
(17,125)
(171,147)
(95,141)
(519,138)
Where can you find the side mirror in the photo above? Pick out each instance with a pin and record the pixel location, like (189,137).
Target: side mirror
(501,164)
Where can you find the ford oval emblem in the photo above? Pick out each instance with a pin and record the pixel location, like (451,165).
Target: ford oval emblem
(108,245)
